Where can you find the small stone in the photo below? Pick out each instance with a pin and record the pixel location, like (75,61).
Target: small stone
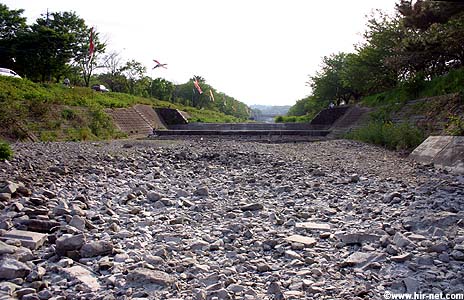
(154,196)
(7,249)
(263,267)
(5,197)
(457,255)
(202,191)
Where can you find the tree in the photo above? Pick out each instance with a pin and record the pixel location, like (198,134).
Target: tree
(11,24)
(55,43)
(162,89)
(133,71)
(425,13)
(366,71)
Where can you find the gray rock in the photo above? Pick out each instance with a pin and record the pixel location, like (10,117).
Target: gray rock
(83,276)
(11,269)
(9,188)
(457,255)
(154,196)
(357,238)
(401,241)
(252,207)
(361,259)
(202,191)
(78,222)
(69,242)
(147,276)
(5,197)
(97,248)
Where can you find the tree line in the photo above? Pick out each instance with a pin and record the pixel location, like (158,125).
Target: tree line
(420,42)
(56,46)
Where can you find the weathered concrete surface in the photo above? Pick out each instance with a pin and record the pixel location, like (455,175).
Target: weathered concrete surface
(443,151)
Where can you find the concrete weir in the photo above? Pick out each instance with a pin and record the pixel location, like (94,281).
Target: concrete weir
(445,152)
(166,123)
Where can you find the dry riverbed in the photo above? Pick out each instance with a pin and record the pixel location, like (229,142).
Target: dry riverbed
(226,220)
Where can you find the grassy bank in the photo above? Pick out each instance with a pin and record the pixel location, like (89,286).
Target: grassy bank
(53,112)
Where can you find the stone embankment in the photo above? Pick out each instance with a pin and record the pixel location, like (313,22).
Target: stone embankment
(226,220)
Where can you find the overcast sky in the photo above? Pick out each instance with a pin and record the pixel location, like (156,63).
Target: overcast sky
(257,51)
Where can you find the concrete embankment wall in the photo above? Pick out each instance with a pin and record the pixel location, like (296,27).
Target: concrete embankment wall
(139,120)
(442,151)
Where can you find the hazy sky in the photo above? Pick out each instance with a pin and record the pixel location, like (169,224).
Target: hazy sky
(257,51)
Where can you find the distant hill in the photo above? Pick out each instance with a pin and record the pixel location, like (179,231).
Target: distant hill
(267,113)
(272,110)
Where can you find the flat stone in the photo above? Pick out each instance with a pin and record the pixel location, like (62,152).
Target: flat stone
(361,259)
(313,226)
(252,207)
(401,258)
(305,240)
(147,276)
(44,226)
(357,238)
(28,239)
(11,269)
(83,276)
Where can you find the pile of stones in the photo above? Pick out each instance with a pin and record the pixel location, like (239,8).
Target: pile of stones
(226,220)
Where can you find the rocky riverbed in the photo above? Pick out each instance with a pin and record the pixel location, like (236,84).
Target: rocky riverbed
(226,220)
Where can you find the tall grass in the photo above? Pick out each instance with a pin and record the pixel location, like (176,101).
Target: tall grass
(401,136)
(5,150)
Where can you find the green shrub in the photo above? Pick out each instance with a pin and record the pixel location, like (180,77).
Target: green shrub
(5,151)
(279,119)
(455,125)
(68,114)
(293,119)
(48,136)
(392,136)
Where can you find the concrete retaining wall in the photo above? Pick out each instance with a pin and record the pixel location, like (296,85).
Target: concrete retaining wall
(443,151)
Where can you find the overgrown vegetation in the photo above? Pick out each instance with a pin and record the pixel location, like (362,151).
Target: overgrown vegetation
(5,151)
(54,112)
(402,136)
(292,119)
